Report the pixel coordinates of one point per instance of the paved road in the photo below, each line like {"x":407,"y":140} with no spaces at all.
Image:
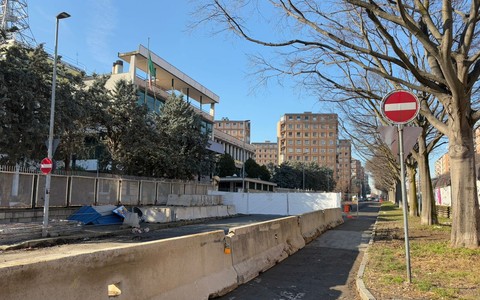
{"x":324,"y":269}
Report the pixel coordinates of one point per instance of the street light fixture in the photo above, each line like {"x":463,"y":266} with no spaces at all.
{"x":62,"y":15}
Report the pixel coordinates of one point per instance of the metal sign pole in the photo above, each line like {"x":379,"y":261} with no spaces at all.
{"x":404,"y":202}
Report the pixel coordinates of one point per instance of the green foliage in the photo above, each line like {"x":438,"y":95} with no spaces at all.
{"x":94,"y":121}
{"x":226,"y":166}
{"x":254,"y":170}
{"x":25,"y":90}
{"x":292,"y":175}
{"x":182,"y":148}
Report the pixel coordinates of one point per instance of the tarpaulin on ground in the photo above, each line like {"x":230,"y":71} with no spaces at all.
{"x":96,"y":215}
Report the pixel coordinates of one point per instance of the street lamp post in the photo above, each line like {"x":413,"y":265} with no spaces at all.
{"x":48,"y":179}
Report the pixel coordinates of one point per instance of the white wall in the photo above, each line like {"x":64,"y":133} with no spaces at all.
{"x":279,"y":203}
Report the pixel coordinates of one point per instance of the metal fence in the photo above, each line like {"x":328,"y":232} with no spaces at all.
{"x":27,"y":190}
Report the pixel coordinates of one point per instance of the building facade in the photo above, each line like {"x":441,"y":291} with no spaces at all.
{"x":234,"y":137}
{"x":344,"y":169}
{"x":442,"y":165}
{"x":238,"y":150}
{"x":308,"y":137}
{"x":238,"y":129}
{"x":266,"y":153}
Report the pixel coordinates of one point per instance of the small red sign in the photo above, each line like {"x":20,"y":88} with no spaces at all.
{"x":400,"y":107}
{"x":46,"y":165}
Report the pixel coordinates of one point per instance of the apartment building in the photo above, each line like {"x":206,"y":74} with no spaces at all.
{"x":238,"y":129}
{"x":359,"y":178}
{"x":442,"y":165}
{"x":266,"y":153}
{"x":309,"y":137}
{"x":345,"y":181}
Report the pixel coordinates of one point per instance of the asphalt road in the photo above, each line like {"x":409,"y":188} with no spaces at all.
{"x":324,"y":269}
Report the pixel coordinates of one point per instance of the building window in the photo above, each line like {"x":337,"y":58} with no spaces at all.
{"x":299,"y":142}
{"x":305,"y":126}
{"x":299,"y":126}
{"x":290,"y":117}
{"x":298,"y":157}
{"x":298,"y":150}
{"x":299,"y":117}
{"x":290,"y":150}
{"x":307,"y":142}
{"x":290,"y":126}
{"x":290,"y":142}
{"x":331,"y":143}
{"x":290,"y":134}
{"x":315,"y":150}
{"x":306,"y":134}
{"x":299,"y":134}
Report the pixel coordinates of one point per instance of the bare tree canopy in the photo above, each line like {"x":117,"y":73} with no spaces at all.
{"x":430,"y":47}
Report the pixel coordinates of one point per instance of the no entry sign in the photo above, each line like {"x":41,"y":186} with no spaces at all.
{"x":46,"y":165}
{"x":400,"y":107}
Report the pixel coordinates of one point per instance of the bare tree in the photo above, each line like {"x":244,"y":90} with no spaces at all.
{"x":372,"y":36}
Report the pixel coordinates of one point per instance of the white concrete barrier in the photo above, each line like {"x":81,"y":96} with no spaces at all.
{"x":190,"y":267}
{"x":258,"y":247}
{"x":286,"y":204}
{"x":194,"y":200}
{"x":156,"y":214}
{"x":202,"y":212}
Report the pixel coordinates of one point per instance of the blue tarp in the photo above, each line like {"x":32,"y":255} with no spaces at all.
{"x":88,"y":215}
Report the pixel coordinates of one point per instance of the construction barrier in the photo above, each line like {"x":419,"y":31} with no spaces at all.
{"x":258,"y":247}
{"x":199,"y":266}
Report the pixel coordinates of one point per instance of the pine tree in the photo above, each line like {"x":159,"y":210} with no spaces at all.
{"x":182,"y":151}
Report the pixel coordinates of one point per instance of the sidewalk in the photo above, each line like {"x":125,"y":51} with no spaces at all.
{"x":325,"y":269}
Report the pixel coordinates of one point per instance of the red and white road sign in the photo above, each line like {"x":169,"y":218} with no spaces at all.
{"x":400,"y":107}
{"x":46,"y":165}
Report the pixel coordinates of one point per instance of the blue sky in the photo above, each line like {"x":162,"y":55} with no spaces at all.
{"x":98,"y":30}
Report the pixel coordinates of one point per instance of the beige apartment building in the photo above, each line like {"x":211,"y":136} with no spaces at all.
{"x":309,"y":137}
{"x":238,"y":129}
{"x":344,"y":178}
{"x":266,"y":153}
{"x":442,"y":165}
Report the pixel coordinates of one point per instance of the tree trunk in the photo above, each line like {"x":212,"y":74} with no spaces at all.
{"x":466,"y":214}
{"x":428,"y":215}
{"x":412,"y":191}
{"x":391,"y":196}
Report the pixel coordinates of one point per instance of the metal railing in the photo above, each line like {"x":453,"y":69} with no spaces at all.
{"x":25,"y":188}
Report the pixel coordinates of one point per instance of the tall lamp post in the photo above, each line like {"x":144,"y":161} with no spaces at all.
{"x":48,"y":179}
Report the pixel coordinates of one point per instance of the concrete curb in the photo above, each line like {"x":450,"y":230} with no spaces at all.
{"x":361,"y":288}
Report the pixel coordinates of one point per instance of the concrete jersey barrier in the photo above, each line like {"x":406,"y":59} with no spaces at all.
{"x":258,"y":247}
{"x":199,"y":266}
{"x":175,"y":268}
